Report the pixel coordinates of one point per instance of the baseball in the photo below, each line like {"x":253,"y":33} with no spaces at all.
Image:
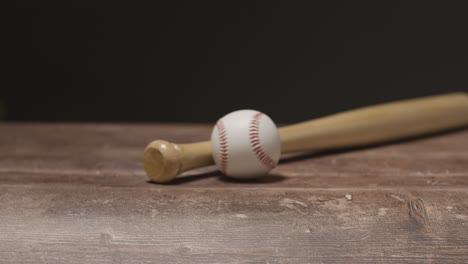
{"x":245,"y":144}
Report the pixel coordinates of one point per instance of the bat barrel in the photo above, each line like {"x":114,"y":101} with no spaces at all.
{"x":379,"y":123}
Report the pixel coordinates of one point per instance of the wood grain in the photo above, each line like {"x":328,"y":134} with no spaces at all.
{"x":77,"y":193}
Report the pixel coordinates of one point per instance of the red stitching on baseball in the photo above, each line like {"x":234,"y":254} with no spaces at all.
{"x":223,"y":145}
{"x":262,"y":156}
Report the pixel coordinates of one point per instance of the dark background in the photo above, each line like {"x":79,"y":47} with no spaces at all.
{"x":150,"y":61}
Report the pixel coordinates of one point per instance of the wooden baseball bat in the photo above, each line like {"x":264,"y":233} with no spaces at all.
{"x":163,"y":160}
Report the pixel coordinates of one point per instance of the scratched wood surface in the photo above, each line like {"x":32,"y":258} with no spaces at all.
{"x":77,"y":193}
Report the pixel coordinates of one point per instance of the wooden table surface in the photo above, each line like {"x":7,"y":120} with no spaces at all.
{"x":77,"y":193}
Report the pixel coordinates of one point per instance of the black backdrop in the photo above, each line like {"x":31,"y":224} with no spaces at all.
{"x":150,"y":61}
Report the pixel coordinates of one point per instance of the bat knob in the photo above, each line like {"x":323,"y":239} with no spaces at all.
{"x":162,"y":161}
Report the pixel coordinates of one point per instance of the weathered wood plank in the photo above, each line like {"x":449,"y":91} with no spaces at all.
{"x":127,"y":225}
{"x":73,"y":193}
{"x":111,"y":155}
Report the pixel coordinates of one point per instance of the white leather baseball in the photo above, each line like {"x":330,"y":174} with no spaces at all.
{"x":245,"y":144}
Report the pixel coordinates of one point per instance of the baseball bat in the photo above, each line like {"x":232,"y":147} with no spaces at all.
{"x":164,"y":160}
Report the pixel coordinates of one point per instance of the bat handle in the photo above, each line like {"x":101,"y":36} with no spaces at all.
{"x":164,"y":160}
{"x":379,"y":123}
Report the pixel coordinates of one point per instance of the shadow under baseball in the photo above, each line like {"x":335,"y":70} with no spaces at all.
{"x":269,"y":178}
{"x":204,"y":174}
